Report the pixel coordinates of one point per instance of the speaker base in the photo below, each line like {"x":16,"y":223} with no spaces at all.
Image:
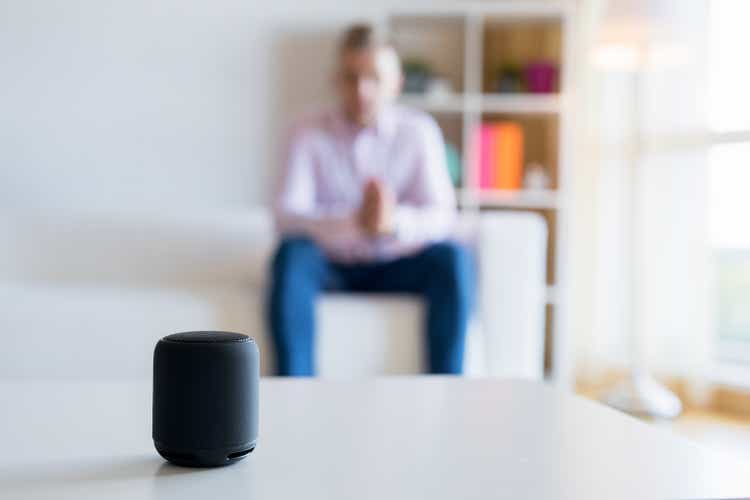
{"x":204,"y":458}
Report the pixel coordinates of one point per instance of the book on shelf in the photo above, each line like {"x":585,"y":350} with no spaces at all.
{"x":498,"y":153}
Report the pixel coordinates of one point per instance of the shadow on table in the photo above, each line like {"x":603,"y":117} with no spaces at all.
{"x":52,"y":474}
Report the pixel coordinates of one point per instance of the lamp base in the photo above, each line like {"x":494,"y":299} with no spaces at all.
{"x":641,"y":395}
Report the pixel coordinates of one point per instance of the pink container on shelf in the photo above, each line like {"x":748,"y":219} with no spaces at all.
{"x":541,"y":77}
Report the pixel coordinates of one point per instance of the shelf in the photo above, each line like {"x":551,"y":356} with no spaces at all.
{"x":533,"y":199}
{"x":453,"y":103}
{"x":529,"y":9}
{"x":485,"y":103}
{"x":520,"y":103}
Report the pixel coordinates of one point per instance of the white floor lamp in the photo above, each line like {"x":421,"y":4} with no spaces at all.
{"x":632,"y":38}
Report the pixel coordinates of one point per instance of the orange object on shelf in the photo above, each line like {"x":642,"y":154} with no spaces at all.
{"x":507,"y":156}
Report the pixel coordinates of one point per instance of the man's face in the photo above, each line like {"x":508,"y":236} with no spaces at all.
{"x":367,"y":80}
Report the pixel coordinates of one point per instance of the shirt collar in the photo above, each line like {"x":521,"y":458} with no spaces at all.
{"x":384,"y":125}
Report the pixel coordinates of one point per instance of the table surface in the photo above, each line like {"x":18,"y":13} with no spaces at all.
{"x":413,"y":437}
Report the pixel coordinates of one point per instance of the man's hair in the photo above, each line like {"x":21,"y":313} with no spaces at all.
{"x":362,"y":36}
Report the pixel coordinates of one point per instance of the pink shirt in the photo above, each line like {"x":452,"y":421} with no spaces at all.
{"x":326,"y":164}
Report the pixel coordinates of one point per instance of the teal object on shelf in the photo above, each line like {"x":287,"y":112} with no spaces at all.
{"x":453,"y":161}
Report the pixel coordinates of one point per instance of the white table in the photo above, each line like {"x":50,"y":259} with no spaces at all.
{"x":416,"y":438}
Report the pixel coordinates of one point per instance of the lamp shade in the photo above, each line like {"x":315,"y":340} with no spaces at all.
{"x":636,"y":35}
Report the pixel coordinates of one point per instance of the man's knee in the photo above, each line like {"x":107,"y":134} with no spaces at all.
{"x":451,"y":268}
{"x":295,"y":250}
{"x":450,"y":259}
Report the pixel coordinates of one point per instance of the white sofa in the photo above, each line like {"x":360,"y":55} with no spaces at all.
{"x":88,"y":295}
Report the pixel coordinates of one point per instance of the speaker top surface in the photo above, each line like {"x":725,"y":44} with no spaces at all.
{"x":207,"y":337}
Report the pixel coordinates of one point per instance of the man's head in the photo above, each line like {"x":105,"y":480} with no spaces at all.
{"x":369,"y":74}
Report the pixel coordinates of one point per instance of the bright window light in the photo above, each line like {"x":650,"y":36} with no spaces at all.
{"x":729,"y":198}
{"x":729,"y":72}
{"x":729,"y":172}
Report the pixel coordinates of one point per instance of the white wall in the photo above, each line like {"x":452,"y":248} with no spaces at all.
{"x":136,"y":103}
{"x":130,"y":131}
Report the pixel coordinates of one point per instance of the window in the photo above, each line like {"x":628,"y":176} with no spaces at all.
{"x":729,"y":174}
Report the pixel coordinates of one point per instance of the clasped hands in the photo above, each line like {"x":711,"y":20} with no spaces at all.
{"x":376,"y":213}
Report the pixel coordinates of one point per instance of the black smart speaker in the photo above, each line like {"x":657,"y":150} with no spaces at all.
{"x":205,"y":401}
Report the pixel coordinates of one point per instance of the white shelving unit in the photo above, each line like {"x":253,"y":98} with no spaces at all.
{"x":466,"y":103}
{"x":538,"y":199}
{"x":461,"y":40}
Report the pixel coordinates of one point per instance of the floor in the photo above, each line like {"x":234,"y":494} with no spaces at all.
{"x":722,"y":431}
{"x":716,"y":430}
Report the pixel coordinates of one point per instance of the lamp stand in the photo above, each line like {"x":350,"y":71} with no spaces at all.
{"x":640,"y":394}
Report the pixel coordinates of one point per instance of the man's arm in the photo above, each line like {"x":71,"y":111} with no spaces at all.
{"x":427,"y":209}
{"x":295,"y":210}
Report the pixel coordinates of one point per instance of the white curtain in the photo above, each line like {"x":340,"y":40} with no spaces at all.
{"x":673,"y":280}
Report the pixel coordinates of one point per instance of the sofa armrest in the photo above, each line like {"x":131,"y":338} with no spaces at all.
{"x":512,"y":254}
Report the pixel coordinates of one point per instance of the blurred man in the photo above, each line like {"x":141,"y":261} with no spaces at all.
{"x":364,"y":203}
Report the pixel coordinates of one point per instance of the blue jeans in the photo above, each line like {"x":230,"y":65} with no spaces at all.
{"x":442,"y":274}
